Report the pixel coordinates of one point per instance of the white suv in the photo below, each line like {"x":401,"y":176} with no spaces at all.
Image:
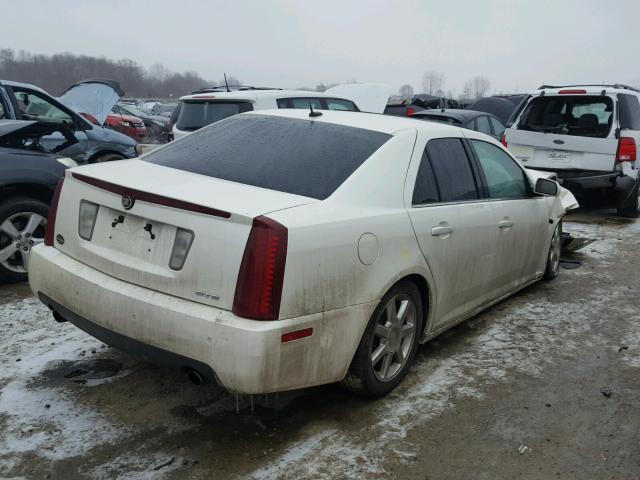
{"x":214,"y":104}
{"x":587,"y":134}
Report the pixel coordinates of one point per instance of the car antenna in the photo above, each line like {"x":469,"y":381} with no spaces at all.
{"x":312,"y":113}
{"x":225,"y":82}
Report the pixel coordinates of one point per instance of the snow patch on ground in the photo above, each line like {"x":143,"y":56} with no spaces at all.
{"x":65,"y":428}
{"x":525,"y":339}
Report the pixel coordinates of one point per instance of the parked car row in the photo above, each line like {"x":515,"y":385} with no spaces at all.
{"x":330,"y":240}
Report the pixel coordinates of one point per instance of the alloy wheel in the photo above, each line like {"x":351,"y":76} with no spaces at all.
{"x":18,"y":235}
{"x":393,"y":337}
{"x":555,"y":250}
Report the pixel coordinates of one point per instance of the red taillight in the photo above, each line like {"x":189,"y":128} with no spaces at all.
{"x":410,"y":111}
{"x":572,"y":92}
{"x":626,"y":150}
{"x":49,"y":232}
{"x":259,"y":286}
{"x":503,"y":141}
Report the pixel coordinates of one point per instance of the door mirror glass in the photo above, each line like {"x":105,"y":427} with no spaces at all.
{"x":544,"y":186}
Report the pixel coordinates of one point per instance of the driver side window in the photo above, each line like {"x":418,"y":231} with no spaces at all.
{"x":32,"y":106}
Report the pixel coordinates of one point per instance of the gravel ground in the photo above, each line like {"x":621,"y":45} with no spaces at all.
{"x":515,"y":392}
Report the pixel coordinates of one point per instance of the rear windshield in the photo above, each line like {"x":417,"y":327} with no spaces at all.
{"x":580,"y":115}
{"x":288,"y":155}
{"x":197,"y":114}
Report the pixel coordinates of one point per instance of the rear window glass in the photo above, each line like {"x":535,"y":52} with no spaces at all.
{"x":580,"y":115}
{"x":288,"y":155}
{"x":629,"y":111}
{"x":196,"y":114}
{"x":452,"y":170}
{"x":339,"y":104}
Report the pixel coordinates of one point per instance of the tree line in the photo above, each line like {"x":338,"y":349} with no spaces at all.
{"x":55,"y":73}
{"x":433,"y":84}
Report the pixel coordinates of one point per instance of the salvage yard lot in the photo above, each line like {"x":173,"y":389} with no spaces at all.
{"x":515,"y":392}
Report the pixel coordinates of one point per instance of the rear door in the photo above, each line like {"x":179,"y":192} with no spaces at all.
{"x":520,"y":218}
{"x":454,"y":227}
{"x":566,"y":132}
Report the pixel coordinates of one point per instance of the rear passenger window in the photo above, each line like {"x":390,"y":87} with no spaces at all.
{"x":505,"y":179}
{"x":482,"y":124}
{"x":452,"y":170}
{"x":304,"y":103}
{"x":425,"y":189}
{"x":629,"y":111}
{"x":339,"y":104}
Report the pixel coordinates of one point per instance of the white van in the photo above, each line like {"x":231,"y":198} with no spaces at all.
{"x":587,"y":134}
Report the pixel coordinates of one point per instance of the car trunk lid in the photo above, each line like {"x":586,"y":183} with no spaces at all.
{"x":141,"y":209}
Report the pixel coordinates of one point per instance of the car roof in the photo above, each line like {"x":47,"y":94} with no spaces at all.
{"x":11,"y":83}
{"x":253,"y":95}
{"x":456,"y":113}
{"x":590,"y":89}
{"x":389,"y":124}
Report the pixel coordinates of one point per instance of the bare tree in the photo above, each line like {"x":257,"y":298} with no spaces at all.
{"x":476,"y":87}
{"x":432,"y":82}
{"x":406,"y":91}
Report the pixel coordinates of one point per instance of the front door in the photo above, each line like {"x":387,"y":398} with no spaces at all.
{"x":520,"y":217}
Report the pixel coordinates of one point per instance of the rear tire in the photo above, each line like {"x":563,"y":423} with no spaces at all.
{"x":552,"y":269}
{"x":389,"y":343}
{"x":15,"y":214}
{"x":631,"y":206}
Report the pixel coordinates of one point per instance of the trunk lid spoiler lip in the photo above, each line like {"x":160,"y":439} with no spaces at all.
{"x":132,"y":195}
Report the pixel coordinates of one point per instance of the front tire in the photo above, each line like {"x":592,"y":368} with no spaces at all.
{"x":552,"y":269}
{"x":389,"y":344}
{"x":22,"y":225}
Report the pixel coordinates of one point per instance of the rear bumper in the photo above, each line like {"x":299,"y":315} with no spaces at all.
{"x":585,"y":181}
{"x":245,"y":356}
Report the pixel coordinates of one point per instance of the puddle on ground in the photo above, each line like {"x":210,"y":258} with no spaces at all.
{"x":90,"y":372}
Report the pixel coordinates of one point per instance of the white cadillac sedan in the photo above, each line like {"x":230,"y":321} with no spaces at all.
{"x":281,"y":250}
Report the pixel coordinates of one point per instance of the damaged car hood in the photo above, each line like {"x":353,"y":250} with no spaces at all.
{"x":95,"y":97}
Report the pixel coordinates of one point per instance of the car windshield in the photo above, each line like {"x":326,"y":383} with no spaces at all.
{"x":197,"y":114}
{"x":135,"y":111}
{"x":580,"y":115}
{"x":295,"y":156}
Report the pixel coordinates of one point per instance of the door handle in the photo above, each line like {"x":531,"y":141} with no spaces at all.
{"x":505,"y":224}
{"x":441,"y":231}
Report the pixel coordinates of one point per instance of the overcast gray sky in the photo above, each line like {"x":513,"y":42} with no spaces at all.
{"x":516,"y":44}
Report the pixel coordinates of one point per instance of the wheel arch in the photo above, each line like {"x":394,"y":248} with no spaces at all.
{"x":31,"y":190}
{"x":99,"y":154}
{"x":423,"y":279}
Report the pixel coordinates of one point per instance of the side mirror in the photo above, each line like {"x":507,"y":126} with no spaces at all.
{"x":544,"y":186}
